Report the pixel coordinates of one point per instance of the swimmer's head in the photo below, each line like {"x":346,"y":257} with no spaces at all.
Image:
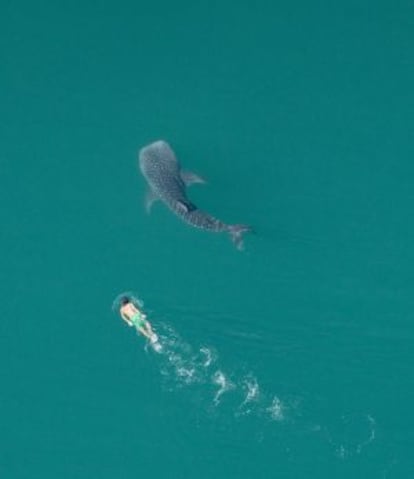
{"x":124,"y":300}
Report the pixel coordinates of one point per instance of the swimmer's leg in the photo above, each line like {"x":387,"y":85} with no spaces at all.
{"x":153,"y":336}
{"x":149,"y":327}
{"x":144,"y":332}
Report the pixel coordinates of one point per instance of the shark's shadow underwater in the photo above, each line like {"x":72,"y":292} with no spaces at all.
{"x":167,"y":182}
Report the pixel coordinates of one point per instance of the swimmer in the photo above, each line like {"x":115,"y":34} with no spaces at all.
{"x":133,"y":317}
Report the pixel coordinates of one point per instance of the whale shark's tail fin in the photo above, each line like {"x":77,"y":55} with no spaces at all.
{"x":236,"y":233}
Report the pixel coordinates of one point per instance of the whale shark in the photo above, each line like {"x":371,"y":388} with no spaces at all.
{"x":168,"y":182}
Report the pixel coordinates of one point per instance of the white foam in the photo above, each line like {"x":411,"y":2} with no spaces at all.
{"x":371,"y":437}
{"x":182,"y":365}
{"x":352,"y":426}
{"x":187,"y":374}
{"x":225,"y":384}
{"x":208,"y":356}
{"x":276,"y":409}
{"x":252,"y":390}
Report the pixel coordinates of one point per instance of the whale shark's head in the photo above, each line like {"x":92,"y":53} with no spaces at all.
{"x":156,"y":145}
{"x":155,"y":156}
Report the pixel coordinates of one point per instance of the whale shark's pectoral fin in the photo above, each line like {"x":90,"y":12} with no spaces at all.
{"x":190,"y":178}
{"x":150,"y":198}
{"x":185,"y":207}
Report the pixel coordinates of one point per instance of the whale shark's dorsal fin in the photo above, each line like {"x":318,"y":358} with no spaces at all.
{"x":190,"y":178}
{"x":186,"y":206}
{"x":150,"y":197}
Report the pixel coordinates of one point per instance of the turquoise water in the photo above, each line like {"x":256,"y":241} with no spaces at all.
{"x":291,"y":359}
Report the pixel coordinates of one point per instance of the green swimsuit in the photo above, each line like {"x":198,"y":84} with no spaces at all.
{"x":137,"y":320}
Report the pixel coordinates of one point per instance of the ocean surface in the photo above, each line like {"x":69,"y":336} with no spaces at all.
{"x":290,"y":359}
